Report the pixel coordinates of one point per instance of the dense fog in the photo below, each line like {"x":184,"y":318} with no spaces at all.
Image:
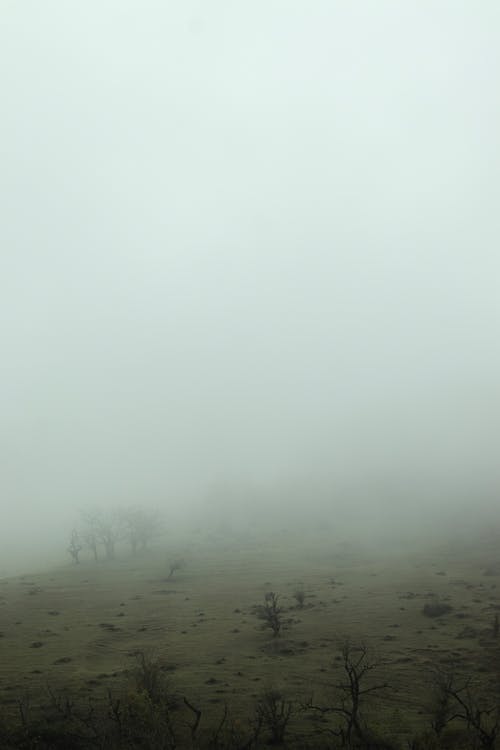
{"x":248,"y":264}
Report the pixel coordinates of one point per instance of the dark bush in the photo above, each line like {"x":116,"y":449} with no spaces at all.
{"x":300,"y":597}
{"x":271,"y":613}
{"x":436,"y":608}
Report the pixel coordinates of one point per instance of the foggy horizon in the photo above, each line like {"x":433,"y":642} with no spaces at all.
{"x":249,"y":253}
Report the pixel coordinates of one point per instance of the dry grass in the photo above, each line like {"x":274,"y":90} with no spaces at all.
{"x":89,"y":622}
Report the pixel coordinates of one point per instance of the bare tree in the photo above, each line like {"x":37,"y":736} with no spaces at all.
{"x":274,"y":712}
{"x":271,"y":613}
{"x":441,"y":701}
{"x":89,"y":532}
{"x":461,"y":702}
{"x":358,"y":665}
{"x":235,"y":734}
{"x":107,"y":535}
{"x":140,"y":526}
{"x":75,"y":547}
{"x":90,"y":540}
{"x":104,"y":528}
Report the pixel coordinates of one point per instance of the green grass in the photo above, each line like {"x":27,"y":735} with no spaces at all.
{"x":78,"y":627}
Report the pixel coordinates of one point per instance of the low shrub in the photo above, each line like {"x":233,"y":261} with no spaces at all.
{"x":436,"y":608}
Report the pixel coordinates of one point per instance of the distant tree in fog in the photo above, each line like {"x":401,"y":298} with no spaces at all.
{"x":75,"y":547}
{"x":89,"y":534}
{"x":108,"y":533}
{"x":102,"y":528}
{"x":90,"y":540}
{"x":176,"y":565}
{"x":140,"y":526}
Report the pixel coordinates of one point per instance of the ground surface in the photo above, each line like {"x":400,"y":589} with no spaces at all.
{"x":78,"y":627}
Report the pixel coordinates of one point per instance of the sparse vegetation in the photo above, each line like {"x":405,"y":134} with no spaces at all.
{"x":436,"y":608}
{"x":250,"y":375}
{"x":150,"y":678}
{"x":300,"y":597}
{"x":175,"y":565}
{"x":275,"y":712}
{"x":271,"y":613}
{"x":134,"y":696}
{"x":457,"y":701}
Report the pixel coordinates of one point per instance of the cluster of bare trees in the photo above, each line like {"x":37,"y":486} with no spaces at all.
{"x":456,"y":700}
{"x":453,"y":702}
{"x":101,"y":531}
{"x":152,"y":714}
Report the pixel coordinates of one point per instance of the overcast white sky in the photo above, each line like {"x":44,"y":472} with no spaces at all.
{"x":246,"y":241}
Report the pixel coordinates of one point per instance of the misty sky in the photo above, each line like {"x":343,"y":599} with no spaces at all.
{"x":246,"y":242}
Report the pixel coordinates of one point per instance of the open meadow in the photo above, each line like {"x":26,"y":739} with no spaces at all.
{"x":249,"y":389}
{"x":78,"y":633}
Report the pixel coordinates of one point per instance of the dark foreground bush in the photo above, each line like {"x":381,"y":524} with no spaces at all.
{"x":436,"y":608}
{"x":149,"y":715}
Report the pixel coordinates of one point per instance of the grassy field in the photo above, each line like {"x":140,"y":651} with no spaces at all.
{"x":78,"y":628}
